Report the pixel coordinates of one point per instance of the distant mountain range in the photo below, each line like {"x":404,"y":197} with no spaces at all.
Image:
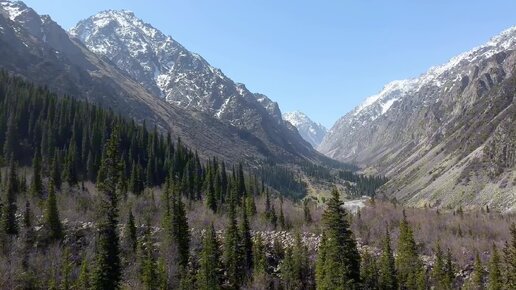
{"x":116,"y":60}
{"x":446,"y":138}
{"x":312,"y":132}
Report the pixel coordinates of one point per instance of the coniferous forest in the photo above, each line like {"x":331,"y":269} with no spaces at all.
{"x":91,"y":200}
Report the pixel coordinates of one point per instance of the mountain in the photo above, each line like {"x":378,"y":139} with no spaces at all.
{"x":445,"y":138}
{"x":171,"y":72}
{"x":247,"y":127}
{"x":312,"y":132}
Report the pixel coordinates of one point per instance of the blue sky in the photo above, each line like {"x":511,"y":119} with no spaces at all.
{"x":319,"y":57}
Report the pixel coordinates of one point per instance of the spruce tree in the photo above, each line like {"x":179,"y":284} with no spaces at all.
{"x":233,"y":261}
{"x":288,"y":272}
{"x":342,"y":260}
{"x":36,"y":186}
{"x":8,"y":219}
{"x":301,"y":263}
{"x":495,"y":278}
{"x":11,"y":139}
{"x":209,"y":276}
{"x":259,"y":255}
{"x":131,"y":232}
{"x":306,"y":212}
{"x":387,"y":278}
{"x":83,"y":281}
{"x":148,"y":264}
{"x":510,"y":259}
{"x":55,"y":174}
{"x":440,"y":276}
{"x":108,"y":270}
{"x":246,"y":242}
{"x":52,"y":221}
{"x":369,"y":272}
{"x":181,"y":230}
{"x":477,"y":277}
{"x":408,"y":264}
{"x":66,"y":270}
{"x":320,"y":269}
{"x":449,"y":269}
{"x":211,"y":201}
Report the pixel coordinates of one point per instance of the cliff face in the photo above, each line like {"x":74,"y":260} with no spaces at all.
{"x":446,"y":138}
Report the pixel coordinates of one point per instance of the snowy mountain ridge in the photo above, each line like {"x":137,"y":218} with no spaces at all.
{"x":166,"y":68}
{"x":312,"y":132}
{"x":377,"y":105}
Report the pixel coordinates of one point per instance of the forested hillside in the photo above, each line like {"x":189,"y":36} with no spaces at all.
{"x":91,"y":200}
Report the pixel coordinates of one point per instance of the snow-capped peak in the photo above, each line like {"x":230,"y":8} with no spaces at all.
{"x":312,"y":132}
{"x":435,"y":76}
{"x":13,"y":8}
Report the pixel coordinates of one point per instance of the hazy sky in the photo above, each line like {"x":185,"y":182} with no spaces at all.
{"x":319,"y":57}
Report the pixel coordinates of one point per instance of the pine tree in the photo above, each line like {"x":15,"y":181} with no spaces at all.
{"x":408,"y":265}
{"x":131,"y":232}
{"x":439,"y":272}
{"x":11,"y":139}
{"x":66,"y":270}
{"x":211,"y":201}
{"x":83,"y":282}
{"x":449,"y":269}
{"x":477,"y":277}
{"x":306,"y":212}
{"x":510,"y":260}
{"x":301,"y":263}
{"x":108,"y":271}
{"x":387,"y":279}
{"x":70,"y":169}
{"x":181,"y":230}
{"x":288,"y":272}
{"x":55,"y":174}
{"x":233,"y":257}
{"x":52,"y":221}
{"x":246,"y":242}
{"x":495,"y":278}
{"x":282,"y":217}
{"x":369,"y":272}
{"x":260,"y":258}
{"x":36,"y":186}
{"x":320,"y":269}
{"x":209,"y":276}
{"x":148,"y":264}
{"x":8,"y":219}
{"x":342,"y":260}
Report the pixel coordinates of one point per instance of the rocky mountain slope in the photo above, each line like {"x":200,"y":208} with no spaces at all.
{"x":312,"y":132}
{"x":185,"y":79}
{"x":38,"y":49}
{"x":446,"y":138}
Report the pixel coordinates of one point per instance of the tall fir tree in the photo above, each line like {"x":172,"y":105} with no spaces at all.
{"x":210,"y":272}
{"x":36,"y":186}
{"x":246,"y":242}
{"x":132,"y":239}
{"x":477,"y":277}
{"x":369,"y":271}
{"x":408,"y":264}
{"x":342,"y":260}
{"x":52,"y":221}
{"x":495,"y":277}
{"x":233,"y":256}
{"x":55,"y":173}
{"x":148,"y":263}
{"x":8,"y":222}
{"x":11,"y":139}
{"x":509,"y":268}
{"x":387,"y":278}
{"x":108,"y":270}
